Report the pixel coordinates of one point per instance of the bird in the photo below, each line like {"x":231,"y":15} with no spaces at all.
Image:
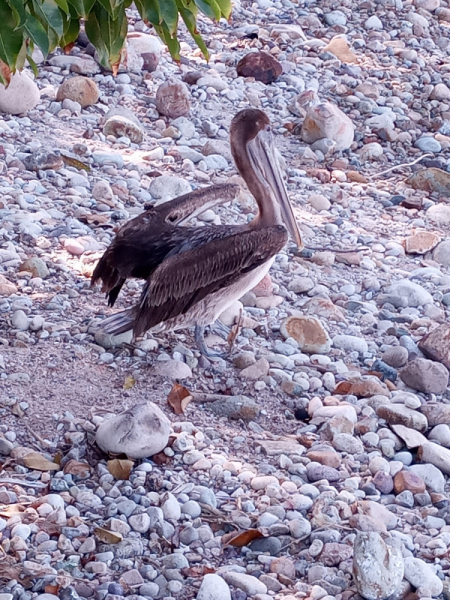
{"x":193,"y":274}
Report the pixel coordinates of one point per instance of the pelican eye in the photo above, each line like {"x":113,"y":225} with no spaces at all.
{"x":172,"y":218}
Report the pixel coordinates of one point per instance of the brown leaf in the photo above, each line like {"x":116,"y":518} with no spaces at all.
{"x":11,"y":509}
{"x":129,"y":383}
{"x":161,"y":459}
{"x":68,"y":47}
{"x":35,"y":460}
{"x":178,"y":398}
{"x":96,"y":219}
{"x":74,"y":162}
{"x":106,"y":536}
{"x":51,"y":589}
{"x":241,"y":538}
{"x":16,"y":410}
{"x":5,"y":72}
{"x":197,"y":571}
{"x":77,"y":469}
{"x":115,"y":68}
{"x":120,"y":468}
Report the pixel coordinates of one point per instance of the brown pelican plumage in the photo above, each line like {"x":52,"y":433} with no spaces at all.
{"x":193,"y":274}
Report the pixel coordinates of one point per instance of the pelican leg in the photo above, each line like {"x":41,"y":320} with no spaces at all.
{"x":220,"y":329}
{"x":200,"y":340}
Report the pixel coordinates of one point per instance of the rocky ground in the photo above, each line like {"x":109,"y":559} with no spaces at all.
{"x":313,"y":462}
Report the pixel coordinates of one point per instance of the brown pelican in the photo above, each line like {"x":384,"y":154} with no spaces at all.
{"x":193,"y":274}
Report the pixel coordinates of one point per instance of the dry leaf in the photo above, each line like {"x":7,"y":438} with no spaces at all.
{"x":197,"y":571}
{"x":51,"y":589}
{"x":120,"y":468}
{"x":129,"y":383}
{"x":178,"y":398}
{"x":339,"y":47}
{"x":16,"y":410}
{"x":74,"y":162}
{"x":106,"y":536}
{"x":241,"y":538}
{"x":11,"y":509}
{"x":35,"y":460}
{"x":77,"y":469}
{"x":5,"y":72}
{"x":161,"y":459}
{"x":68,"y":47}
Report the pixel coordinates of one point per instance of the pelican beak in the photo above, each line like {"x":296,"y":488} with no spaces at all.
{"x":266,"y":164}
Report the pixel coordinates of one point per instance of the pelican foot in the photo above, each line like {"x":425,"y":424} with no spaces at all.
{"x":220,"y":329}
{"x":200,"y":339}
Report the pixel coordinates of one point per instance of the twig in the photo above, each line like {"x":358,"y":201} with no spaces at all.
{"x":23,"y":482}
{"x":41,"y":440}
{"x":414,"y":162}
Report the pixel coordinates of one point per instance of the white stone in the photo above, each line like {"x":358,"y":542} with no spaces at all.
{"x":247,"y":583}
{"x":214,"y":588}
{"x":319,"y":202}
{"x":414,"y":293}
{"x":172,"y":369}
{"x":373,"y":22}
{"x":422,"y":576}
{"x":325,"y":120}
{"x":167,"y":187}
{"x":350,"y":343}
{"x":171,"y":507}
{"x":139,"y":432}
{"x":20,"y":96}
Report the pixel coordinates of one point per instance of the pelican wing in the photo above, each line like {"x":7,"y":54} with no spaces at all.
{"x":186,"y":278}
{"x":142,"y":243}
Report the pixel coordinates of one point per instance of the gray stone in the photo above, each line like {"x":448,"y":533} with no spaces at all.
{"x":427,"y":143}
{"x":432,"y":476}
{"x":436,"y":455}
{"x":441,"y":253}
{"x":119,"y":126}
{"x":425,"y":376}
{"x":414,"y":294}
{"x":396,"y":357}
{"x":377,"y":567}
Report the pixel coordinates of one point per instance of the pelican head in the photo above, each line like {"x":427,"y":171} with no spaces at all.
{"x":254,"y":154}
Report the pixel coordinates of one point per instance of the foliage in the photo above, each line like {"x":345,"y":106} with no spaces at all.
{"x":47,"y":24}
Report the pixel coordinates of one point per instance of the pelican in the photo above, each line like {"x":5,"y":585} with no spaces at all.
{"x":193,"y":274}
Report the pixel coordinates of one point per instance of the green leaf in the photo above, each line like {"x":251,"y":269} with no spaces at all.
{"x":18,"y":9}
{"x":71,"y":31}
{"x":225,"y":7}
{"x":210,"y":8}
{"x":32,"y":64}
{"x":50,"y":15}
{"x":190,"y":22}
{"x":172,"y":42}
{"x":38,"y":34}
{"x":20,"y":62}
{"x":169,"y":14}
{"x":11,"y":40}
{"x":82,"y":7}
{"x":63,"y":5}
{"x":112,"y":7}
{"x":149,"y":11}
{"x":108,"y":35}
